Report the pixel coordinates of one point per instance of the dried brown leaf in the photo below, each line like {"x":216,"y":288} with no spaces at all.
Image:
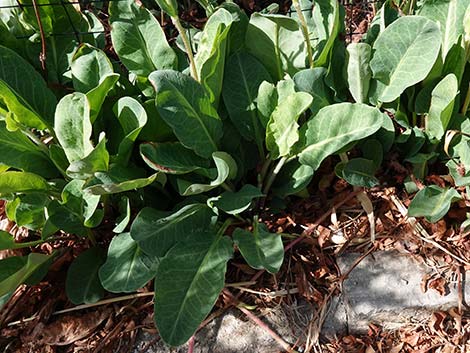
{"x":67,"y":329}
{"x":439,"y":285}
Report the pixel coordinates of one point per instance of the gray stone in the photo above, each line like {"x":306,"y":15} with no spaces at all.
{"x":384,"y":288}
{"x":234,"y":333}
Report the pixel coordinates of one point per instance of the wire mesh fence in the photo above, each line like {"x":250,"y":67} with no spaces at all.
{"x":358,"y":15}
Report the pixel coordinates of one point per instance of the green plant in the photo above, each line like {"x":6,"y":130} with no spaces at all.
{"x":269,"y":98}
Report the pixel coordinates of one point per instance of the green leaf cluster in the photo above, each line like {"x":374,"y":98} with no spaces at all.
{"x":185,"y":137}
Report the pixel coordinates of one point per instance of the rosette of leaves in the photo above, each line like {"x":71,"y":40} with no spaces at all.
{"x":188,"y":154}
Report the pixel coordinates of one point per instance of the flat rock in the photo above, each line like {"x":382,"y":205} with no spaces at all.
{"x":384,"y":288}
{"x":234,"y":333}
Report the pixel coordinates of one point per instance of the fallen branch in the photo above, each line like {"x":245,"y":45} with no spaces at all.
{"x":87,"y":306}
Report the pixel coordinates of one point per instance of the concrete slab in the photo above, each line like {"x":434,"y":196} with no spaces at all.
{"x":234,"y":333}
{"x":385,"y":288}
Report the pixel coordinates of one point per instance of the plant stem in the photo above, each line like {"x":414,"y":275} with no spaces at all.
{"x":38,"y":242}
{"x":91,"y":237}
{"x":227,"y":187}
{"x":42,"y":55}
{"x":224,"y":227}
{"x":264,"y":170}
{"x":466,"y":103}
{"x":304,"y":28}
{"x":191,"y":344}
{"x":176,"y":21}
{"x":36,"y":140}
{"x":274,"y":174}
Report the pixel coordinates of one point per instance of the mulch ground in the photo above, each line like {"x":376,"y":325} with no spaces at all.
{"x":318,"y":229}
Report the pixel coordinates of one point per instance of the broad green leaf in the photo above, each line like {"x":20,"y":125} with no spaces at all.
{"x":119,"y":179}
{"x":404,"y":54}
{"x":59,"y":53}
{"x":84,"y":205}
{"x":260,"y":248}
{"x":461,"y":148}
{"x":432,"y":202}
{"x":18,"y":151}
{"x":442,"y":106}
{"x":58,"y":157}
{"x":96,"y":161}
{"x":7,"y":241}
{"x":293,"y":178}
{"x":455,"y":171}
{"x":373,"y":150}
{"x":183,"y":104}
{"x":89,"y":66}
{"x":226,"y":169}
{"x":9,"y":268}
{"x":277,"y":42}
{"x":156,"y":129}
{"x":312,"y":82}
{"x":169,"y":6}
{"x":188,"y":282}
{"x":236,"y":202}
{"x":52,"y":17}
{"x":95,"y":25}
{"x":282,"y":131}
{"x":455,"y":62}
{"x":16,"y":270}
{"x":132,"y":117}
{"x":21,"y":182}
{"x":466,"y":25}
{"x":123,"y":220}
{"x":358,"y":73}
{"x":98,"y":94}
{"x":82,"y":284}
{"x":420,"y":163}
{"x":335,"y":127}
{"x":30,"y":211}
{"x":236,"y":36}
{"x":212,"y":48}
{"x":423,"y":97}
{"x":382,"y":19}
{"x":266,"y":101}
{"x":335,"y":78}
{"x":10,"y":207}
{"x":172,"y":158}
{"x":326,"y":27}
{"x":415,"y":139}
{"x":156,"y":231}
{"x":126,"y":268}
{"x":450,"y":16}
{"x":285,"y":88}
{"x":61,"y":217}
{"x":243,"y":76}
{"x":24,"y":92}
{"x":73,"y":126}
{"x":138,"y":39}
{"x":360,"y":172}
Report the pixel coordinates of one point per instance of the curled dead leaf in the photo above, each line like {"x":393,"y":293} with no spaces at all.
{"x":67,"y":329}
{"x":439,"y":285}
